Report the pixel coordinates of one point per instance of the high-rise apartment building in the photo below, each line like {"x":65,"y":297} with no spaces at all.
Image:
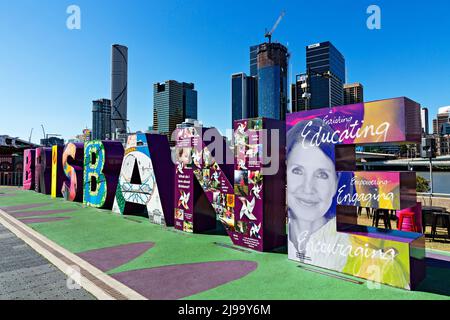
{"x":443,"y":117}
{"x":353,"y":93}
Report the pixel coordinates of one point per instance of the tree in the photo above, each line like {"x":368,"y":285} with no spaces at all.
{"x":423,"y":185}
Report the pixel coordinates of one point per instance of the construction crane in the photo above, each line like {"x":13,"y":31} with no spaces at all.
{"x":43,"y":130}
{"x":269,"y":34}
{"x":46,"y":136}
{"x":31,"y":133}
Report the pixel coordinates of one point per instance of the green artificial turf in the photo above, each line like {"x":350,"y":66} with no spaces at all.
{"x":275,"y":278}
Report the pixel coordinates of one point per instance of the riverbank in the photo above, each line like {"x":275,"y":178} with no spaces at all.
{"x":441,"y":180}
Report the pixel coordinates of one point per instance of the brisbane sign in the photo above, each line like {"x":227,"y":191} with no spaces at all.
{"x":290,"y":183}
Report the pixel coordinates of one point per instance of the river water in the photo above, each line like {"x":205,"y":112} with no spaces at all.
{"x":441,"y":181}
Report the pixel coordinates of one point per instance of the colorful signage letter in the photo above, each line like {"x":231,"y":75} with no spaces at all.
{"x":252,"y":209}
{"x":43,"y":170}
{"x":145,"y":184}
{"x":29,"y":167}
{"x":57,"y":171}
{"x":102,"y":162}
{"x":72,"y":163}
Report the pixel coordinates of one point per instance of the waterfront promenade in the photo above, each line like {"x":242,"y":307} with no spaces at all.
{"x":26,"y":275}
{"x":130,"y":258}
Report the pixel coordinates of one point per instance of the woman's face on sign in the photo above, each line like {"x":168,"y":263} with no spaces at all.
{"x":312,"y":182}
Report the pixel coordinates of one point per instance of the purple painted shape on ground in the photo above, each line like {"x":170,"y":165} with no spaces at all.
{"x":25,"y":214}
{"x":183,"y":280}
{"x":42,"y":220}
{"x":24,"y":207}
{"x":109,"y":258}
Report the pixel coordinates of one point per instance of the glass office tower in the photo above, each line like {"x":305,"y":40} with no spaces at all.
{"x":173,"y":102}
{"x":320,"y":58}
{"x":243,"y":97}
{"x":189,"y":101}
{"x":101,"y":119}
{"x":254,"y":61}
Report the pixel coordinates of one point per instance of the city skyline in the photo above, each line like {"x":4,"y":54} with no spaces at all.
{"x":52,"y":74}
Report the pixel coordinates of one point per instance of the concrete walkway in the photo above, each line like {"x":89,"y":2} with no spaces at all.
{"x":26,"y":275}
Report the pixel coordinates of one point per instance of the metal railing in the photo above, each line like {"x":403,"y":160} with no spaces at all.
{"x":434,"y":194}
{"x":9,"y":178}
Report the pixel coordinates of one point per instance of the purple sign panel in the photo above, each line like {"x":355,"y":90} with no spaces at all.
{"x":239,"y":200}
{"x":43,"y":170}
{"x":248,"y":183}
{"x":28,"y":169}
{"x":322,"y":196}
{"x":184,"y":182}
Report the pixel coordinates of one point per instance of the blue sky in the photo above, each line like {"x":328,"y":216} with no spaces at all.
{"x":50,"y":74}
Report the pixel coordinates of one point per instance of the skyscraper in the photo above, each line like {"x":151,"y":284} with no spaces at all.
{"x":272,"y":59}
{"x":254,"y":61}
{"x":424,"y":120}
{"x":325,"y":92}
{"x":298,"y":89}
{"x":119,"y":82}
{"x":443,"y":117}
{"x":173,"y":102}
{"x":244,"y":97}
{"x":353,"y":93}
{"x":189,"y":101}
{"x":101,"y":119}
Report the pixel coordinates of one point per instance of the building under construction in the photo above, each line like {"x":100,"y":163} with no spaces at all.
{"x":272,"y":68}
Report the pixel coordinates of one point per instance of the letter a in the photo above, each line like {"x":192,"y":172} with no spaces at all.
{"x":74,"y":20}
{"x":374,"y":20}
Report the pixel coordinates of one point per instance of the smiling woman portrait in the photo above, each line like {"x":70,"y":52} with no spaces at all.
{"x":312,"y":184}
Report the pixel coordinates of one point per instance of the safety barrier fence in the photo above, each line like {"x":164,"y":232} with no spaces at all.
{"x":10,"y":178}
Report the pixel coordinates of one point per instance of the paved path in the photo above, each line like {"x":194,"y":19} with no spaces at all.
{"x":26,"y":275}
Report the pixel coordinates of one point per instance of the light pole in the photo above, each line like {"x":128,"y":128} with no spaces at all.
{"x":429,"y":149}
